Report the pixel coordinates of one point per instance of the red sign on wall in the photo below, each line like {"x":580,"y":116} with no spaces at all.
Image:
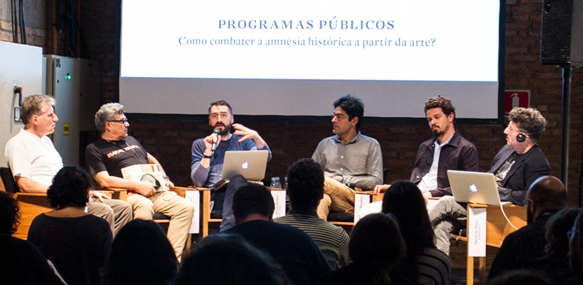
{"x":516,"y":98}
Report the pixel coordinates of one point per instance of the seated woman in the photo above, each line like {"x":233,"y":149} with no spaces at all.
{"x":20,"y":260}
{"x":375,"y":247}
{"x":75,"y":241}
{"x":141,"y":254}
{"x":424,"y":263}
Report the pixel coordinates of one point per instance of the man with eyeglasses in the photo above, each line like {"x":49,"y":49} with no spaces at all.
{"x":576,"y":250}
{"x":115,"y":150}
{"x":208,"y":155}
{"x":34,"y":161}
{"x":546,"y":196}
{"x":350,"y":160}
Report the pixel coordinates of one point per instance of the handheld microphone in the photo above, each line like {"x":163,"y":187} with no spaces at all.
{"x":216,"y":131}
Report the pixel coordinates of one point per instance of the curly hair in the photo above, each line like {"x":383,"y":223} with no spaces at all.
{"x":305,"y":184}
{"x":9,"y":214}
{"x":528,"y":119}
{"x":70,"y":188}
{"x":440,"y":102}
{"x":33,"y":104}
{"x":105,"y":114}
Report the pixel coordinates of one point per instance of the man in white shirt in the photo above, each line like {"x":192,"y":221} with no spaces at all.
{"x":34,"y":161}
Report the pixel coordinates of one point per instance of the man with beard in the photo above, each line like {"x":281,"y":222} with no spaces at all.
{"x":207,"y":161}
{"x":545,"y":197}
{"x":448,"y":150}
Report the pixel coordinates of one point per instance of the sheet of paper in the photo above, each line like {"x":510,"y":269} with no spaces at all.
{"x":476,"y":232}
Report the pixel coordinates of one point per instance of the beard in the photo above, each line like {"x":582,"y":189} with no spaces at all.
{"x":226,"y":129}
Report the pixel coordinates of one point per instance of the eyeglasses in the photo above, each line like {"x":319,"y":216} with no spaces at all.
{"x":338,"y":117}
{"x":122,"y":121}
{"x":572,"y":233}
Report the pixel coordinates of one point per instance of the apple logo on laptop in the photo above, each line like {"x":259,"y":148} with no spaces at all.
{"x":473,"y":188}
{"x":245,"y":165}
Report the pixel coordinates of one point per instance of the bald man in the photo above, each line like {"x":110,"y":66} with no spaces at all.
{"x":545,"y":197}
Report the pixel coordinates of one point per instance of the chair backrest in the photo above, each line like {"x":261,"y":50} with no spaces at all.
{"x":8,"y":180}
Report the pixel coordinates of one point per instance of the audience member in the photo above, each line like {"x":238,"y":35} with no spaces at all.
{"x":20,"y":261}
{"x":115,"y":150}
{"x":75,"y":241}
{"x":141,"y":254}
{"x":576,"y":251}
{"x":545,"y":197}
{"x":514,"y":277}
{"x":555,"y":264}
{"x":423,"y":263}
{"x":208,"y":155}
{"x":305,"y":188}
{"x":34,"y":161}
{"x":225,"y":259}
{"x":292,"y":248}
{"x":350,"y":159}
{"x":376,"y":246}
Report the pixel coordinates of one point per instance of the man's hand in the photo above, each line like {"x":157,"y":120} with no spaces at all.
{"x":381,"y":188}
{"x":209,"y":140}
{"x":168,"y":182}
{"x":244,"y":132}
{"x":96,"y":194}
{"x":145,"y":189}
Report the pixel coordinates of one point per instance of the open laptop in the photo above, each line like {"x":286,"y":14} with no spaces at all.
{"x":474,"y":187}
{"x":251,"y":164}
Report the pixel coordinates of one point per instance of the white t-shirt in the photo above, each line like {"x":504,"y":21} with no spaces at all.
{"x":33,"y":157}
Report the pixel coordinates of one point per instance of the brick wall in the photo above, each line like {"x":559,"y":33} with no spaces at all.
{"x":168,"y":137}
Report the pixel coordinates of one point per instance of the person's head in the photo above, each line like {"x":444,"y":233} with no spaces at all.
{"x":376,"y":241}
{"x":111,"y":121}
{"x":221,"y":116}
{"x":141,"y":254}
{"x":405,"y":201}
{"x":70,"y":188}
{"x":305,"y":185}
{"x":440,"y":114}
{"x":556,"y":232}
{"x":546,"y":194}
{"x":348,"y":115}
{"x":225,"y":259}
{"x":251,"y":202}
{"x":519,"y":276}
{"x":37,"y":112}
{"x":575,"y":235}
{"x":9,"y":214}
{"x":525,"y":127}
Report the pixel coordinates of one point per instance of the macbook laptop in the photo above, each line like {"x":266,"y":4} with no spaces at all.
{"x":251,"y":164}
{"x":474,"y":187}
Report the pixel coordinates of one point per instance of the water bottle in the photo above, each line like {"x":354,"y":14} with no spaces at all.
{"x":275,"y":182}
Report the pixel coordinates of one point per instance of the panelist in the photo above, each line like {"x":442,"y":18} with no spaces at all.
{"x":115,"y":150}
{"x":34,"y":161}
{"x":350,"y":160}
{"x":208,"y":155}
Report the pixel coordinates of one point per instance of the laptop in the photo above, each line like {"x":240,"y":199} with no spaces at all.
{"x":251,"y":164}
{"x":474,"y":187}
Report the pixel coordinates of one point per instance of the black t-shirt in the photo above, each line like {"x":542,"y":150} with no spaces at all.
{"x":112,"y":156}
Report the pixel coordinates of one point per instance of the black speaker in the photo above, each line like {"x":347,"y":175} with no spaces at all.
{"x":562,"y":32}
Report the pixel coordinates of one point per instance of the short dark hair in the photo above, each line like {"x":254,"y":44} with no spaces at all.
{"x":376,"y":242}
{"x":556,"y":232}
{"x":221,"y":103}
{"x":227,"y":258}
{"x":9,"y":214}
{"x":548,"y":193}
{"x":70,"y":188}
{"x":530,"y":120}
{"x":253,"y":199}
{"x":440,"y":102}
{"x":33,"y":104}
{"x":141,"y":254}
{"x":305,"y":184}
{"x":352,"y":106}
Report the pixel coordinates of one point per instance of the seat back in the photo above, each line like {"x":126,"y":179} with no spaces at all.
{"x":10,"y":185}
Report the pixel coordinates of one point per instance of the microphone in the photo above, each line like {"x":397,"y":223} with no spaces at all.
{"x":216,"y":131}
